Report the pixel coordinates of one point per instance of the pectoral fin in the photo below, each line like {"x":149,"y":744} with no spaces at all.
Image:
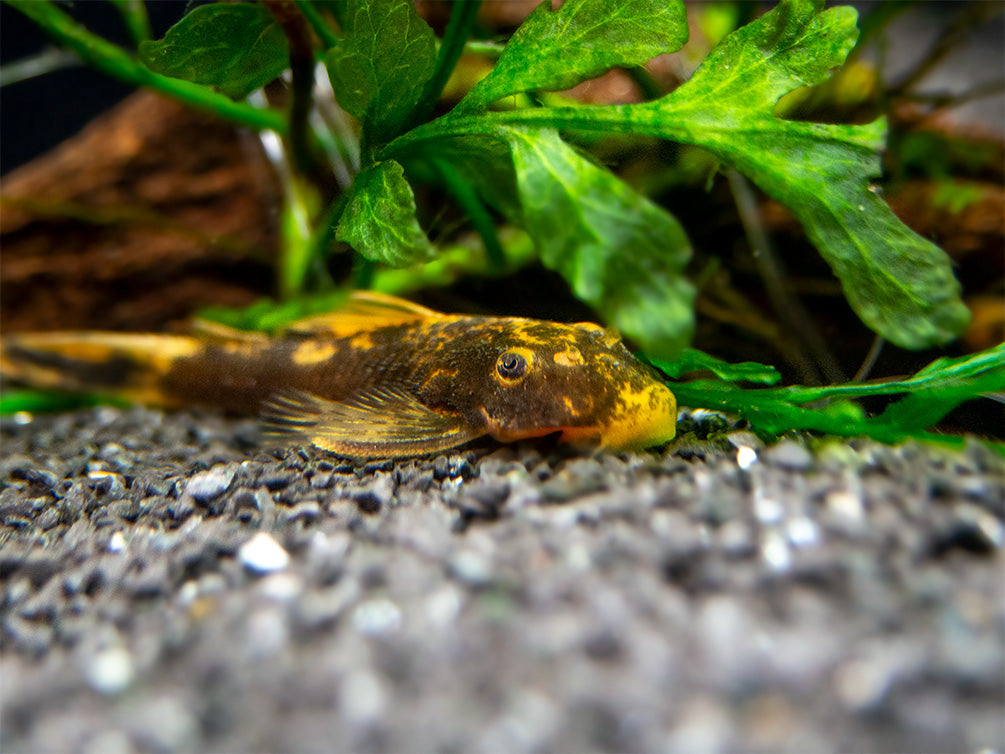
{"x":364,"y":311}
{"x":378,"y":424}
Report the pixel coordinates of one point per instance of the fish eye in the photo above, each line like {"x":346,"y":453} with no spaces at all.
{"x":511,"y":365}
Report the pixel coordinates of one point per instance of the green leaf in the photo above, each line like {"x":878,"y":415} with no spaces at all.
{"x":234,"y":47}
{"x":46,"y":401}
{"x":379,"y":70}
{"x":931,"y":393}
{"x":379,"y":218}
{"x":554,"y":50}
{"x":619,"y":252}
{"x":267,"y":315}
{"x":692,"y":360}
{"x":945,"y":383}
{"x":900,"y":284}
{"x":483,"y":161}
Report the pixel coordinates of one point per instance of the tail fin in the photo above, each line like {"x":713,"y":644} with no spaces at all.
{"x":125,"y":364}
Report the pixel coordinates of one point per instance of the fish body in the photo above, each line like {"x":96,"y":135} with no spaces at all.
{"x":380,"y":378}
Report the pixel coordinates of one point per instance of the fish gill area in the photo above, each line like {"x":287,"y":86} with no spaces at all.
{"x":170,"y":583}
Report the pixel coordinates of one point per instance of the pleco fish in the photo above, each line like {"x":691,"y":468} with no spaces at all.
{"x":379,"y":378}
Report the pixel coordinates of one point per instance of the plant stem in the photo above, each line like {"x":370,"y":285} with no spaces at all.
{"x":813,"y":355}
{"x":479,"y":215}
{"x":462,"y":18}
{"x":116,"y":62}
{"x":295,"y":28}
{"x":325,"y":33}
{"x":606,"y":118}
{"x":134,"y":14}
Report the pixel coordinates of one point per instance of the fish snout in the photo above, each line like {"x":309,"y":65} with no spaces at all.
{"x":641,"y":419}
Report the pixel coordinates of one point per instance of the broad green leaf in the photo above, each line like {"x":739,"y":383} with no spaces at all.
{"x":693,"y":360}
{"x":379,"y":218}
{"x":618,"y":251}
{"x":234,"y":47}
{"x":554,"y":50}
{"x":900,"y":284}
{"x":379,"y":70}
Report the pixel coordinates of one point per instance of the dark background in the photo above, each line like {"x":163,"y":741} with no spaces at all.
{"x":38,"y":113}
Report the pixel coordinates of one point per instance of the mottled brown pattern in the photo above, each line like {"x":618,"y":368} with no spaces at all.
{"x":400,"y":372}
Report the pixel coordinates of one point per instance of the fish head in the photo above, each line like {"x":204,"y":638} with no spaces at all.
{"x":538,"y":378}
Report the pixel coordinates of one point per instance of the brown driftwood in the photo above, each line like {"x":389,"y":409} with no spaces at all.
{"x":152,"y":211}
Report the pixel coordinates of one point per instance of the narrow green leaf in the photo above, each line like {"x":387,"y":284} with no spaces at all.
{"x":931,"y":393}
{"x":234,"y":47}
{"x":944,"y":384}
{"x":692,"y":360}
{"x":900,"y":284}
{"x":379,"y":218}
{"x":46,"y":401}
{"x":379,"y":70}
{"x":619,"y":252}
{"x":554,"y":50}
{"x":268,"y":315}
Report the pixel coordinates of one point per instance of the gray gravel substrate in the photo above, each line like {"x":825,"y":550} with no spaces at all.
{"x":171,"y":585}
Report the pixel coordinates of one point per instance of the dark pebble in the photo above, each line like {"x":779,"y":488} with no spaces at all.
{"x":577,"y":478}
{"x":375,"y":466}
{"x":43,"y":478}
{"x":181,"y":509}
{"x":322,"y":480}
{"x":13,"y":505}
{"x":277,"y":479}
{"x":108,"y":484}
{"x":28,"y":636}
{"x":49,"y":519}
{"x":306,"y":511}
{"x":441,"y":468}
{"x":39,"y":565}
{"x":150,"y":580}
{"x":124,"y":509}
{"x":45,"y":603}
{"x":379,"y":493}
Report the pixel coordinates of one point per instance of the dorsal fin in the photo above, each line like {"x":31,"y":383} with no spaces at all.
{"x":362,"y":312}
{"x":209,"y":331}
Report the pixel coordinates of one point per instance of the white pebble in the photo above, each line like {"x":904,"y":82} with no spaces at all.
{"x":110,"y":670}
{"x":362,"y":697}
{"x":860,"y":684}
{"x":378,"y":617}
{"x":802,"y":532}
{"x":206,"y":485}
{"x":117,"y":543}
{"x":263,"y":554}
{"x":767,"y":509}
{"x":775,"y":551}
{"x":746,"y":457}
{"x":443,"y":606}
{"x":846,"y":504}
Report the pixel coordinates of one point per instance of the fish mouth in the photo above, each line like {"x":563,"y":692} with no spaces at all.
{"x":643,"y":419}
